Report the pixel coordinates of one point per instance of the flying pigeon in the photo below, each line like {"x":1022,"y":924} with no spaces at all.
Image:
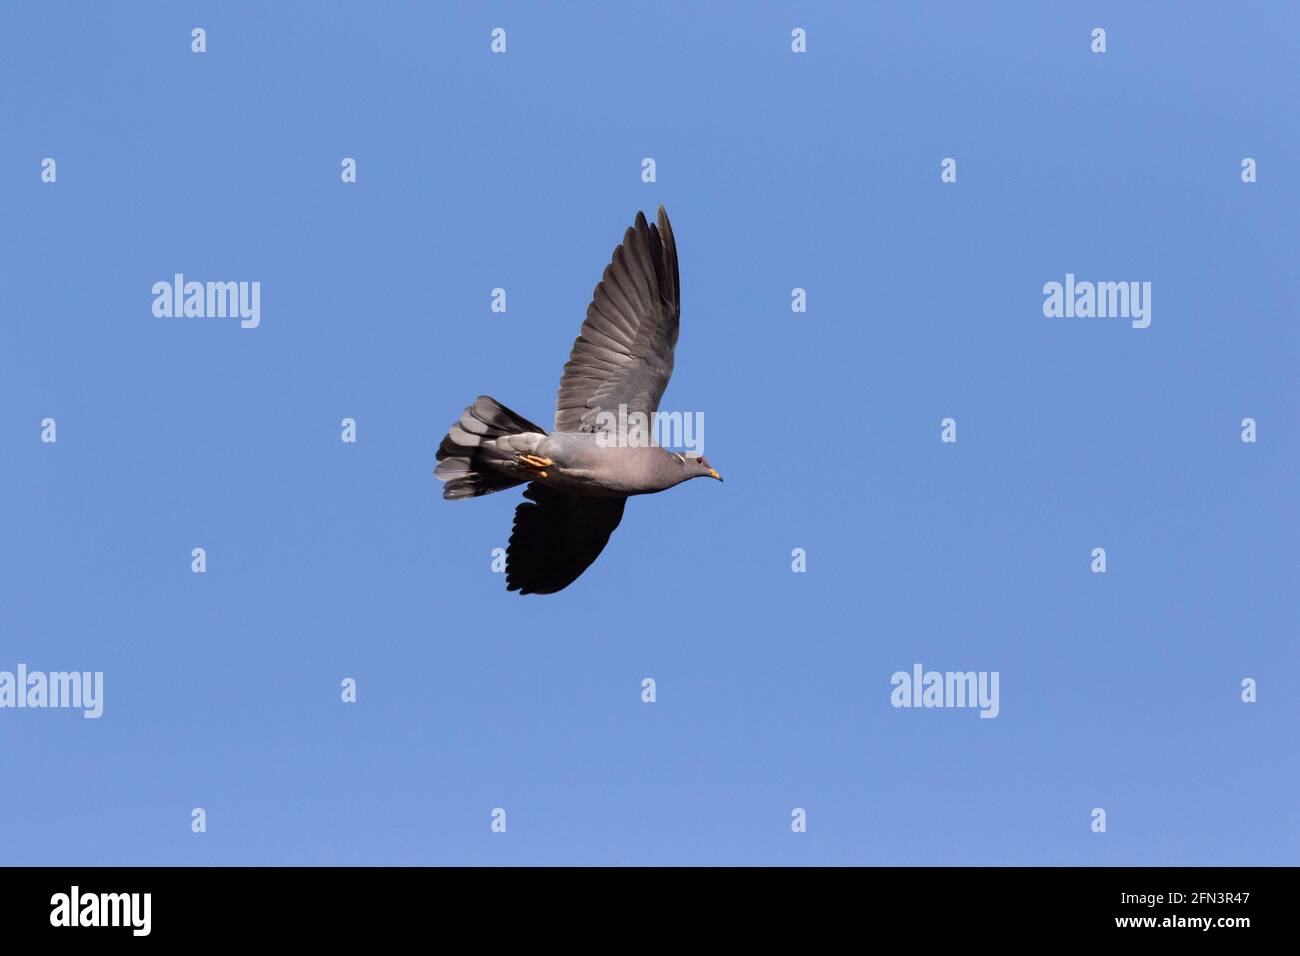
{"x":581,"y":474}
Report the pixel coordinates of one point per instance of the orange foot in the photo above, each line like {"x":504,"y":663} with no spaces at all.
{"x":535,"y":464}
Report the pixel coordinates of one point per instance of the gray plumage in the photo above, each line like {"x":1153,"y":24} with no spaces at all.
{"x":582,"y":473}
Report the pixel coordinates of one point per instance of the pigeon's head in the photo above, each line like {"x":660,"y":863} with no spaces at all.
{"x":698,"y":467}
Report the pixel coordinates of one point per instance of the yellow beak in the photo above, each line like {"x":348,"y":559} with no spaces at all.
{"x":715,"y":474}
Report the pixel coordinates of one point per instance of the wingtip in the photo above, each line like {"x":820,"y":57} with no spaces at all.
{"x":665,"y":227}
{"x":642,"y":224}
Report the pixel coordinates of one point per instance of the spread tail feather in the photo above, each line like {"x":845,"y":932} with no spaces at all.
{"x":468,"y":456}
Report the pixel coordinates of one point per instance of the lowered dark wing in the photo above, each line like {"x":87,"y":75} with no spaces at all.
{"x":557,"y":537}
{"x":624,"y":353}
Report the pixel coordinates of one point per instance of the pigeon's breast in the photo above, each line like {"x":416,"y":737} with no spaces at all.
{"x":602,"y":465}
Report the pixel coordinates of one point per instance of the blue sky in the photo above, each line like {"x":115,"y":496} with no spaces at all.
{"x":821,"y":171}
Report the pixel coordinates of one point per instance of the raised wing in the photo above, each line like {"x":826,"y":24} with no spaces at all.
{"x":624,"y":353}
